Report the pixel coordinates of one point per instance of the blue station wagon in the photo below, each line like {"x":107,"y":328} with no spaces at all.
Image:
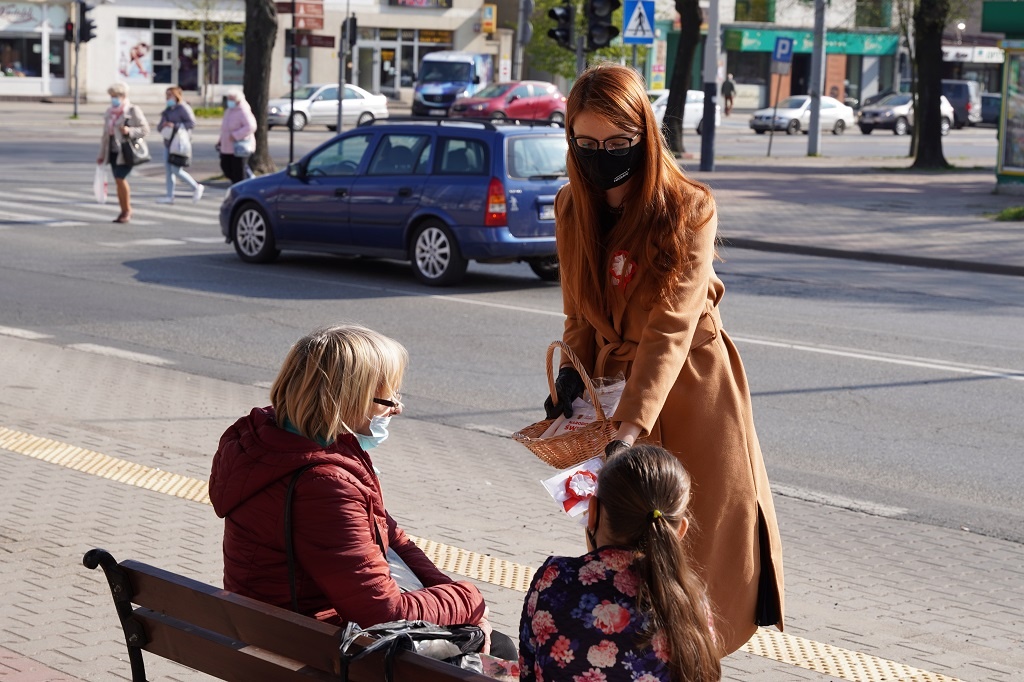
{"x":436,"y":192}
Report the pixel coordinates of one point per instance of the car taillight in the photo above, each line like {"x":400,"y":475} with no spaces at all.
{"x":968,"y":107}
{"x":497,"y":212}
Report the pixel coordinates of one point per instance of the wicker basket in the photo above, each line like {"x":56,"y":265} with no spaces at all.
{"x":573,"y":447}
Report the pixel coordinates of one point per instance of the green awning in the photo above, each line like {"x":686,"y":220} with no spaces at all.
{"x":837,"y":42}
{"x":1003,"y":17}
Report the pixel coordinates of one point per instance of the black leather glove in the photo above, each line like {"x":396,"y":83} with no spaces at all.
{"x":568,"y":386}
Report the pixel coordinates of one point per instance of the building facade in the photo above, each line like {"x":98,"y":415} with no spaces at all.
{"x":198,"y":45}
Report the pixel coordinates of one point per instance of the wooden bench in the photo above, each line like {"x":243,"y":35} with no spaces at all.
{"x":232,"y":637}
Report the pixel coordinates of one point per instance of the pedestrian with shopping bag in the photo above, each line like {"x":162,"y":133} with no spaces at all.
{"x":636,"y":245}
{"x":176,"y":123}
{"x":237,"y":137}
{"x":123,"y":144}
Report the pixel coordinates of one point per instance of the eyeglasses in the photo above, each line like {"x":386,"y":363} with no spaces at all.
{"x":616,"y":146}
{"x":393,"y":404}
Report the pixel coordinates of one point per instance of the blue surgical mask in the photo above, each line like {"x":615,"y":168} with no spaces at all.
{"x":115,"y":101}
{"x":232,"y":104}
{"x":378,"y":432}
{"x":171,"y":103}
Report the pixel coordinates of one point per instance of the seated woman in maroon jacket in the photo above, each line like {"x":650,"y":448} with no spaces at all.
{"x":331,"y":402}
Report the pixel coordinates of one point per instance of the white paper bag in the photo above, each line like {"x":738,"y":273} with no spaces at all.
{"x":572,"y":488}
{"x":99,"y":184}
{"x":584,"y":412}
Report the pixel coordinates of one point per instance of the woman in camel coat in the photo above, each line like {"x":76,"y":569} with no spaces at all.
{"x":636,"y":241}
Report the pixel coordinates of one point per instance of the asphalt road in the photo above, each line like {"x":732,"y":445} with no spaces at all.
{"x":876,"y":387}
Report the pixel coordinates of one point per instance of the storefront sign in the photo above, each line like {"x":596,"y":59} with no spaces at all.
{"x":756,"y":40}
{"x":422,"y":4}
{"x":971,"y":54}
{"x":23,"y":17}
{"x":489,"y":18}
{"x":437,"y":37}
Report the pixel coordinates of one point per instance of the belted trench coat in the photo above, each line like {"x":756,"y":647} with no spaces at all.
{"x":687,"y":389}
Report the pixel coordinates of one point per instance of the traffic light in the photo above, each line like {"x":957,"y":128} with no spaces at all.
{"x":69,"y":32}
{"x":350,"y":30}
{"x":565,"y":24}
{"x":526,"y":27}
{"x":86,"y":26}
{"x":600,"y":29}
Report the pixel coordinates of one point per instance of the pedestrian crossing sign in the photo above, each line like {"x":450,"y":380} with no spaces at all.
{"x":638,"y":22}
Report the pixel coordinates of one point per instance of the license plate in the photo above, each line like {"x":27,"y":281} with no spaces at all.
{"x":547,"y":212}
{"x":437,"y":112}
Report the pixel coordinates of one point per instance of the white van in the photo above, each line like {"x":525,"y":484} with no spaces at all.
{"x":445,"y":76}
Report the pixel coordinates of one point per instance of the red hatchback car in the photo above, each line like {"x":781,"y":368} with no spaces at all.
{"x":517,"y":99}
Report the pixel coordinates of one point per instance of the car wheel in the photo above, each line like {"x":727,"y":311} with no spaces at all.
{"x":364,"y":118}
{"x":253,"y":237}
{"x":944,"y":126}
{"x":793,"y":127}
{"x":545,"y":268}
{"x":759,"y":132}
{"x":557,"y":117}
{"x":297,"y":121}
{"x":332,"y":128}
{"x":867,"y":129}
{"x":435,"y":256}
{"x":700,"y":127}
{"x":498,"y":116}
{"x":900,"y":127}
{"x":839,"y":128}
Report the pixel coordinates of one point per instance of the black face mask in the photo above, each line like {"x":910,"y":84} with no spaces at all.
{"x":607,"y":171}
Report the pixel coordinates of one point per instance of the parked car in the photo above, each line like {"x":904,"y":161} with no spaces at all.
{"x":446,"y":75}
{"x":794,"y":115}
{"x":438,"y":193}
{"x":896,"y":113}
{"x":965,"y":96}
{"x":693,"y":112}
{"x":517,"y":99}
{"x":318,"y":104}
{"x":991,"y":108}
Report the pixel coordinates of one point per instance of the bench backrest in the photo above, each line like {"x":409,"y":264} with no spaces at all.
{"x":236,"y":638}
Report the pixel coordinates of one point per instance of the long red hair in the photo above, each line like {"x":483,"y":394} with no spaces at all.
{"x":661,"y":207}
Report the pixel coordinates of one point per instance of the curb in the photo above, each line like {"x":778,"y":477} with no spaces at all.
{"x":874,"y":257}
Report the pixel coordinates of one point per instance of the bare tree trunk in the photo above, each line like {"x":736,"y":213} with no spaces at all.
{"x":260,"y":36}
{"x":689,"y":37}
{"x":929,"y":21}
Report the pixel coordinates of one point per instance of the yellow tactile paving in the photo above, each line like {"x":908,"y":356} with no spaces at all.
{"x":804,"y":653}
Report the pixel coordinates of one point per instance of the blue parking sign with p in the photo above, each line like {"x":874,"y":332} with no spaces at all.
{"x":783,"y":50}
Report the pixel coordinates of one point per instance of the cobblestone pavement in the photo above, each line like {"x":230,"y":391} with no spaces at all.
{"x":943,"y":601}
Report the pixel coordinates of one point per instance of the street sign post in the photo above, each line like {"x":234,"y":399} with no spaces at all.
{"x":637,"y":22}
{"x":782,"y":58}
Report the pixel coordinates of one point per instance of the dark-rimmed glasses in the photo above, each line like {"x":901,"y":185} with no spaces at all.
{"x":618,"y":145}
{"x":393,"y":404}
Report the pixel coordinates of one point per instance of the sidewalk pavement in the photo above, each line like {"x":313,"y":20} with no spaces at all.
{"x":943,"y":604}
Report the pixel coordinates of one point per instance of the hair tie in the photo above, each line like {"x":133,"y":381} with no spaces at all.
{"x":654,"y":515}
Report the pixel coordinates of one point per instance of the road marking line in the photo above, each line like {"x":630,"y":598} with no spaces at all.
{"x":205,"y":240}
{"x":120,"y":353}
{"x":865,"y":506}
{"x":804,"y":653}
{"x":906,"y":360}
{"x":156,"y":241}
{"x":23,"y":333}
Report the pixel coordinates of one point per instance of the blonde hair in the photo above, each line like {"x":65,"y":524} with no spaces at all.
{"x":176,"y":93}
{"x":644,"y":493}
{"x":118,"y":89}
{"x":662,"y":207}
{"x":330,"y":377}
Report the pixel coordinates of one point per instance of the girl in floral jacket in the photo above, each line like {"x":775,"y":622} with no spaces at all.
{"x":631,"y":609}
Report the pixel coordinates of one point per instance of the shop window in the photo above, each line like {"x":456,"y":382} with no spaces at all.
{"x":854,"y":75}
{"x":234,"y":65}
{"x":128,"y":22}
{"x":873,"y":13}
{"x":751,"y":68}
{"x":165,"y":24}
{"x":755,"y":10}
{"x":435,"y":37}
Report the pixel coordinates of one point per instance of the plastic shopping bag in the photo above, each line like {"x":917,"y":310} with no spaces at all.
{"x":99,"y":184}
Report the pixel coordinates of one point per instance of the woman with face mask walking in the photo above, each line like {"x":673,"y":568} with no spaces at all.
{"x":332,"y":403}
{"x":176,"y":119}
{"x":123,"y":121}
{"x":237,"y":136}
{"x":636,"y":243}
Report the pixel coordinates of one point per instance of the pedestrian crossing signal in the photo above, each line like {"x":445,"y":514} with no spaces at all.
{"x":600,"y":29}
{"x":69,"y":32}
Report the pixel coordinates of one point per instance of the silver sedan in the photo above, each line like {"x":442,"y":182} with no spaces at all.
{"x":318,"y":104}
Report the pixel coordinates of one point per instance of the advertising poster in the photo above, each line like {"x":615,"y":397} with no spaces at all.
{"x":135,"y":55}
{"x":1012,"y":153}
{"x":301,"y":72}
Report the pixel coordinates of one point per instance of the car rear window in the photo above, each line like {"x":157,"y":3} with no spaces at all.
{"x":537,"y":155}
{"x":459,"y":156}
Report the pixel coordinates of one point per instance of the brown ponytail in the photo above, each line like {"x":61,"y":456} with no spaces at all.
{"x":643,"y":494}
